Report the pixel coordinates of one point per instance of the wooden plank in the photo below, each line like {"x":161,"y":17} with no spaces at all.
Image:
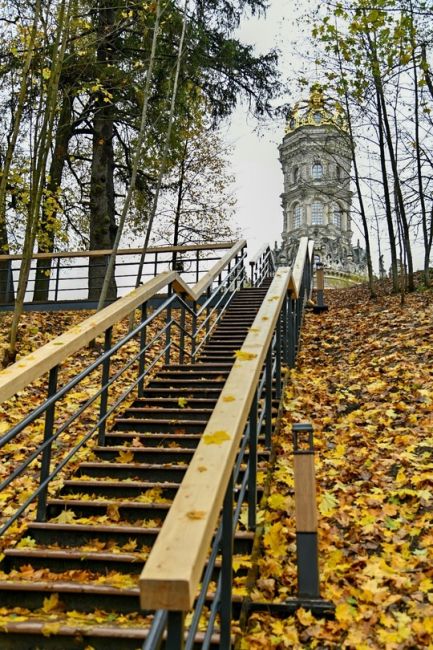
{"x":298,"y":267}
{"x":173,"y":570}
{"x":122,"y":251}
{"x":207,"y":279}
{"x":305,"y":493}
{"x":32,"y":366}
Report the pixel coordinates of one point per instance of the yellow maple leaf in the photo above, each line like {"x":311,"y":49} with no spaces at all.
{"x":196,"y":514}
{"x":26,"y":542}
{"x":125,"y":457}
{"x":50,"y":603}
{"x":277,"y":501}
{"x":241,"y":355}
{"x":275,"y":539}
{"x":182,"y":402}
{"x":305,"y":617}
{"x":228,"y":398}
{"x":216,"y":438}
{"x":328,"y":503}
{"x":50,"y":628}
{"x":345,"y":613}
{"x":113,"y":512}
{"x":65,"y":517}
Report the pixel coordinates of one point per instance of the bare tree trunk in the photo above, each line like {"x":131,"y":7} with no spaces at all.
{"x":102,"y":205}
{"x":38,"y":181}
{"x":5,"y":289}
{"x":179,"y":205}
{"x":46,"y":234}
{"x":111,"y":263}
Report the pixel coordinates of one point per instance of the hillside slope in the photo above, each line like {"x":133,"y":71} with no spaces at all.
{"x":365,"y":381}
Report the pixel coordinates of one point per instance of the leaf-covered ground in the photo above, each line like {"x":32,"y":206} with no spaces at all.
{"x":365,"y":381}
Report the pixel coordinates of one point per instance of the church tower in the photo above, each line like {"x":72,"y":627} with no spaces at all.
{"x":316,"y":160}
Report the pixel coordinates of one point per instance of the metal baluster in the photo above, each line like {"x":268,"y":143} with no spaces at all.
{"x":155,"y":265}
{"x":208,"y":310}
{"x":104,"y":395}
{"x":226,"y":568}
{"x":175,"y":631}
{"x":41,"y":514}
{"x":56,"y":289}
{"x":268,"y":398}
{"x":197,"y":265}
{"x":142,"y":358}
{"x":252,"y":466}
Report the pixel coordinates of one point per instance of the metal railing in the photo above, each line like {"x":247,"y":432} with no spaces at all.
{"x":74,"y":279}
{"x":178,"y":564}
{"x":174,"y":331}
{"x":262,"y":265}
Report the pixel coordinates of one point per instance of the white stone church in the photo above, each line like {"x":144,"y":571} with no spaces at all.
{"x":316,"y":161}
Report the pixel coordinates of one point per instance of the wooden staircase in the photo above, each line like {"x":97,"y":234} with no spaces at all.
{"x":71,"y":582}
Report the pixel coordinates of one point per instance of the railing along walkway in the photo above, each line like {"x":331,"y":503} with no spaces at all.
{"x":227,"y":447}
{"x":73,"y":280}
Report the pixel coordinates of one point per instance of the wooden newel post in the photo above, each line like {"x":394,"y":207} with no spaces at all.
{"x":306,"y":512}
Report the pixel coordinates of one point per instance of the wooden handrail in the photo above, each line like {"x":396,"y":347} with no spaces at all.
{"x":259,"y":253}
{"x":122,"y":251}
{"x":298,"y":266}
{"x":173,"y":570}
{"x":34,"y":365}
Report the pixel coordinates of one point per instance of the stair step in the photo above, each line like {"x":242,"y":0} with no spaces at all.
{"x":140,"y":471}
{"x":78,"y":596}
{"x":120,"y":488}
{"x":170,"y":415}
{"x":126,"y":510}
{"x":157,"y":455}
{"x":160,"y":425}
{"x":149,"y":439}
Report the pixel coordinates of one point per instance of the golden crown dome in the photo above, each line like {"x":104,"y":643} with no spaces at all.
{"x":316,"y":111}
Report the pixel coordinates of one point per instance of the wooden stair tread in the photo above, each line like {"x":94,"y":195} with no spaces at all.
{"x":96,"y":528}
{"x":67,"y":587}
{"x":79,"y":554}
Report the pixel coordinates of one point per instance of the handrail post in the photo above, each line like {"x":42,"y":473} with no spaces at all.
{"x":104,"y":395}
{"x":278,"y":358}
{"x":226,"y":568}
{"x":175,"y":631}
{"x":268,"y":398}
{"x":41,"y":513}
{"x":168,"y":330}
{"x":306,"y":511}
{"x":208,"y":310}
{"x":193,"y":330}
{"x":252,"y":465}
{"x":252,"y":265}
{"x":285,"y":330}
{"x":142,"y":358}
{"x":291,"y":310}
{"x":182,"y":334}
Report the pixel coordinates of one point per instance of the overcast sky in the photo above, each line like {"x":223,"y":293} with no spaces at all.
{"x":259,"y":179}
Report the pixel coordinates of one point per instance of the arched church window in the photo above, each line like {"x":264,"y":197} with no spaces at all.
{"x":297,"y":216}
{"x":316,"y":213}
{"x":317,"y":117}
{"x":339,"y":172}
{"x":317,"y":171}
{"x":295,"y":174}
{"x":337,"y":218}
